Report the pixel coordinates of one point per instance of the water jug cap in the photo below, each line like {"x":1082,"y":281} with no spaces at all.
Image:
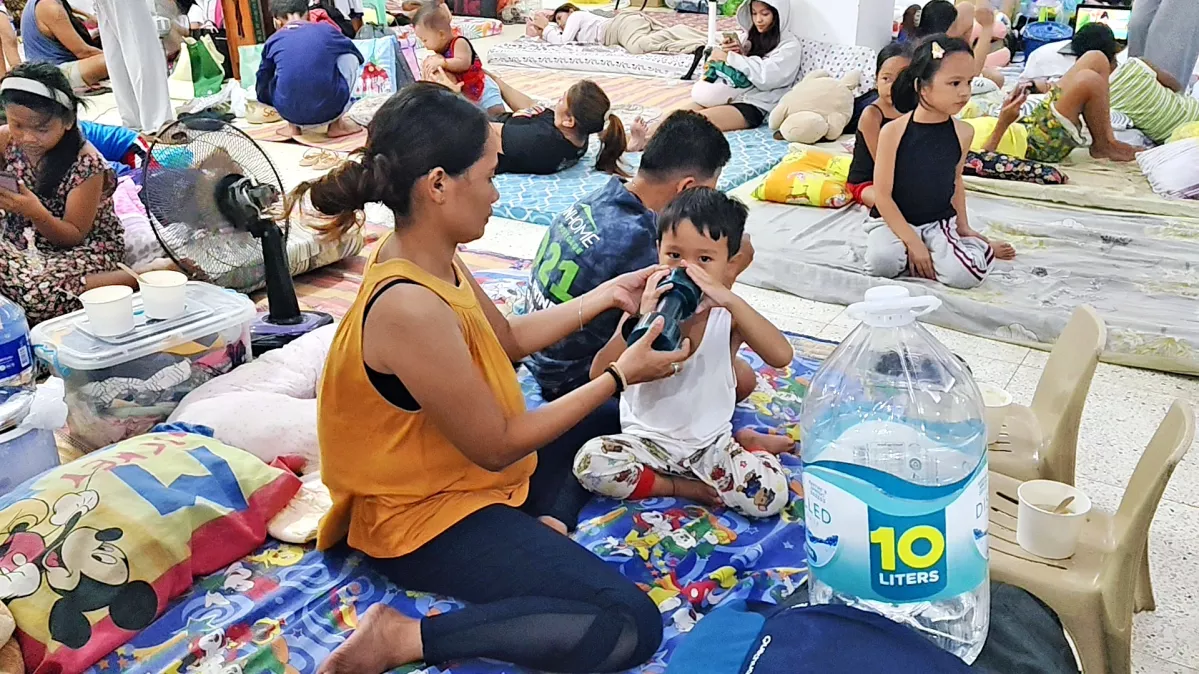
{"x":892,"y":306}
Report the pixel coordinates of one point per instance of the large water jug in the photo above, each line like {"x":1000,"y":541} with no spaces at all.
{"x":895,"y":477}
{"x":16,"y":356}
{"x":1051,"y":10}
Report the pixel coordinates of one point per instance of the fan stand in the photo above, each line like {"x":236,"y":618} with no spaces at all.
{"x":283,"y":321}
{"x":244,"y":202}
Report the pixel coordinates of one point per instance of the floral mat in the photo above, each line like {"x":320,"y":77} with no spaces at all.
{"x":285,"y":607}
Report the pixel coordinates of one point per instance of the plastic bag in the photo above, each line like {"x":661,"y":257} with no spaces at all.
{"x":48,"y":411}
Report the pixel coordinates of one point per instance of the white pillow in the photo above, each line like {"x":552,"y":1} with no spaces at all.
{"x":266,"y":407}
{"x":1173,"y":169}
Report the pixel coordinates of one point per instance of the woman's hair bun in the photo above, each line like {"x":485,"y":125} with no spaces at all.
{"x":349,"y":187}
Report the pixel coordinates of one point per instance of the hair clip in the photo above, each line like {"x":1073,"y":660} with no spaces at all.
{"x":938,"y":51}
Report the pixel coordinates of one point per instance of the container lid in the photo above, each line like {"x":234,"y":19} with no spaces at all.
{"x":892,"y":306}
{"x":1048,"y":31}
{"x":67,"y":342}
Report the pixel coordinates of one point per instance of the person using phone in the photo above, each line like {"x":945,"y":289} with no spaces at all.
{"x":60,"y":234}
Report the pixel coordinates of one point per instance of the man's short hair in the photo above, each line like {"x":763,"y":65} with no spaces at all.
{"x":685,"y":144}
{"x":1095,"y":36}
{"x":281,"y":9}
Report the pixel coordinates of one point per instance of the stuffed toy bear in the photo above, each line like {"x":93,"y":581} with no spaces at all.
{"x":817,"y":108}
{"x":11,"y":661}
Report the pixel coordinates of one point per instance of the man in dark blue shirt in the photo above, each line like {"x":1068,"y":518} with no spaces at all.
{"x":613,"y":231}
{"x":308,"y":71}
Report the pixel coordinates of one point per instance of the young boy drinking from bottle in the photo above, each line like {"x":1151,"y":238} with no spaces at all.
{"x":676,"y":434}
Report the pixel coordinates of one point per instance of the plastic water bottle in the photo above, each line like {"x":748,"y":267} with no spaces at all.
{"x":895,"y":477}
{"x":16,"y":355}
{"x":1051,"y":10}
{"x":1069,"y":9}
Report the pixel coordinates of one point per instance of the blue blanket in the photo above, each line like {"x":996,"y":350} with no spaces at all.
{"x":537,"y":199}
{"x":284,"y":608}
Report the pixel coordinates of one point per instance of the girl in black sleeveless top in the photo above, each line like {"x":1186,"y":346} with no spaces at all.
{"x":920,"y":223}
{"x":891,"y":62}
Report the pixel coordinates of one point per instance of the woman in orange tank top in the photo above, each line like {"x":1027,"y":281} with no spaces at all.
{"x":426,"y":446}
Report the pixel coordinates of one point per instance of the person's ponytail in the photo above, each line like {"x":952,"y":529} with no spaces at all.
{"x":340,"y":195}
{"x":905,"y":95}
{"x":613,"y":143}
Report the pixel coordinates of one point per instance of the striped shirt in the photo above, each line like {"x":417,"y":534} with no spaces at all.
{"x":1153,"y":108}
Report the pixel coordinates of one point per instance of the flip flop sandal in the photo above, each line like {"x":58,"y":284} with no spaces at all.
{"x":329,"y":161}
{"x":258,"y":113}
{"x":312,"y":157}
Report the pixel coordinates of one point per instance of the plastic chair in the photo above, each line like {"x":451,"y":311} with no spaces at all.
{"x":1042,"y":441}
{"x":1091,"y":591}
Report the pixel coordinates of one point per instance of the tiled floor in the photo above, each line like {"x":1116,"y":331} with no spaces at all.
{"x":1123,"y":410}
{"x":1122,"y":413}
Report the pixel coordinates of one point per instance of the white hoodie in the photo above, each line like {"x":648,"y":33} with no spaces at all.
{"x":774,"y":74}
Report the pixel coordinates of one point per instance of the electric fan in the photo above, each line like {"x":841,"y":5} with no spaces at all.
{"x":210,"y":191}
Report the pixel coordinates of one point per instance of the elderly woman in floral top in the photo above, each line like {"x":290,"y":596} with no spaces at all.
{"x":60,"y":233}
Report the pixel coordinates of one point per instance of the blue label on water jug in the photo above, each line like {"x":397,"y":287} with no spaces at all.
{"x":875,"y":536}
{"x":16,"y":358}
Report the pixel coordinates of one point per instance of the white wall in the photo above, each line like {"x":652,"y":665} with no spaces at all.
{"x":862,"y":22}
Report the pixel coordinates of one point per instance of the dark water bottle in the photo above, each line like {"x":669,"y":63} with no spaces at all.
{"x":677,"y":305}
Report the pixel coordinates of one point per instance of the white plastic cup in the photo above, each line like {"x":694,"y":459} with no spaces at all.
{"x":109,"y":310}
{"x":1040,"y":531}
{"x":997,"y":402}
{"x":164,"y":293}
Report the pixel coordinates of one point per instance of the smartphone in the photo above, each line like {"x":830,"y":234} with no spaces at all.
{"x":8,"y":182}
{"x":730,"y":37}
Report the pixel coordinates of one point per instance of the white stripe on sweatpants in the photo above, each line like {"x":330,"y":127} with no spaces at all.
{"x":958,"y":262}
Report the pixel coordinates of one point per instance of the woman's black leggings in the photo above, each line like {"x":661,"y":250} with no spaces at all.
{"x":536,"y":598}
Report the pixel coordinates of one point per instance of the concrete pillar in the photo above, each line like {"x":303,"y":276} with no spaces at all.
{"x":862,"y":22}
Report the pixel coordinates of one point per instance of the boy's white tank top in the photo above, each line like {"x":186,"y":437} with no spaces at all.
{"x":695,"y":406}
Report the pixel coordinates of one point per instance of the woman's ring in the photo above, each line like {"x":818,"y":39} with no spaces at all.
{"x":675,"y":367}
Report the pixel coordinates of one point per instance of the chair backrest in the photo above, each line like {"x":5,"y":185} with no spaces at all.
{"x":1162,"y":455}
{"x":1062,"y":391}
{"x":1143,"y":494}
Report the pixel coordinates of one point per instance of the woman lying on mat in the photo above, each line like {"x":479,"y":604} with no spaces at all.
{"x":635,"y":32}
{"x":59,"y":187}
{"x":426,"y":447}
{"x":540,"y":140}
{"x":744,"y":81}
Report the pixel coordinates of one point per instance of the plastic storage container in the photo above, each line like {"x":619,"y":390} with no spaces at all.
{"x":895,"y":477}
{"x":118,"y":387}
{"x":1037,"y":35}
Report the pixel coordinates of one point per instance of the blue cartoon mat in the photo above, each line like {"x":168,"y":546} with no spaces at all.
{"x":283,"y":609}
{"x":537,"y":199}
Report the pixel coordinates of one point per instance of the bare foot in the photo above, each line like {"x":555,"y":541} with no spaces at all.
{"x":681,"y":487}
{"x":766,"y":442}
{"x":638,"y":135}
{"x":1003,"y":250}
{"x":343,"y":127}
{"x":1117,"y":151}
{"x":555,"y":524}
{"x":290,"y":131}
{"x":385,"y":639}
